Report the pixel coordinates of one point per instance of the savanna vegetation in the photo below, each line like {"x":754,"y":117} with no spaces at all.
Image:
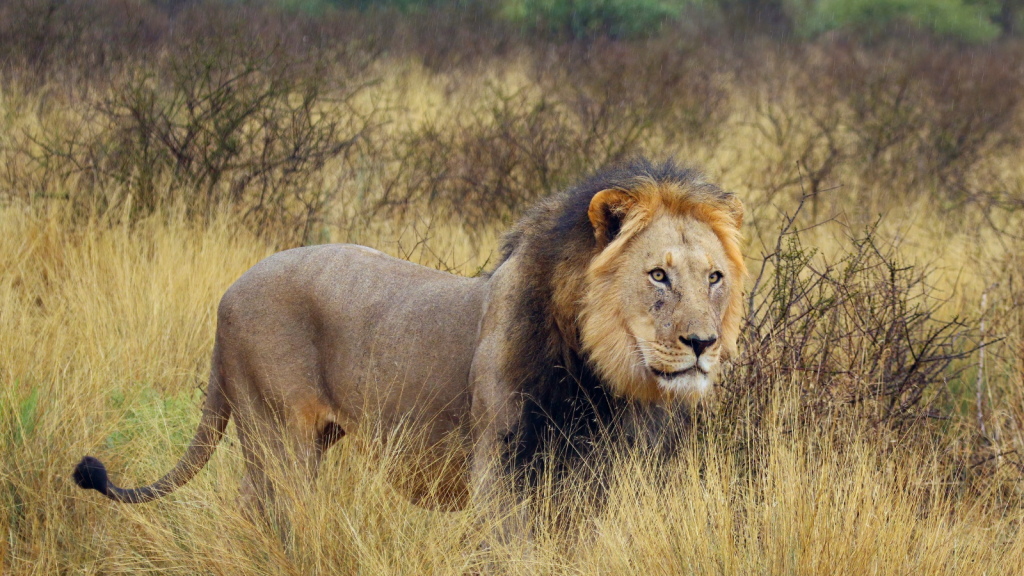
{"x":150,"y":152}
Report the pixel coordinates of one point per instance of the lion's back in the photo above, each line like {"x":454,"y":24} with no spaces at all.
{"x":365,"y":330}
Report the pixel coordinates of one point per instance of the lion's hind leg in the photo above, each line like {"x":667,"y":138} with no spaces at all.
{"x":256,"y":492}
{"x":282,"y":458}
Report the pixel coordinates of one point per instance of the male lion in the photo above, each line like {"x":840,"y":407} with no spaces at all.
{"x":612,"y":301}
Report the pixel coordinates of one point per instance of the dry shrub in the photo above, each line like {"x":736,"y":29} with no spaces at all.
{"x":925,"y":118}
{"x":972,"y":113}
{"x":247,"y":128}
{"x":484,"y":165}
{"x":596,"y":105}
{"x":75,"y":41}
{"x":443,"y":37}
{"x":921,"y":117}
{"x":797,"y":114}
{"x":929,"y":112}
{"x":861,"y":342}
{"x":672,"y":88}
{"x":236,"y":121}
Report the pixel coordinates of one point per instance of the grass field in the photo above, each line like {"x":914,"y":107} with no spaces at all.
{"x":106,"y":336}
{"x":113,"y":259}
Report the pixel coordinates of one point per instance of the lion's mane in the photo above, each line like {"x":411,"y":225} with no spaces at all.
{"x":568,"y":393}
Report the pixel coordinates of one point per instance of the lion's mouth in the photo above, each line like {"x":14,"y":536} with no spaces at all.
{"x":673,"y":375}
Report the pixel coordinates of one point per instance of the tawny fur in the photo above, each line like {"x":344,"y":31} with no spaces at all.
{"x":316,"y":343}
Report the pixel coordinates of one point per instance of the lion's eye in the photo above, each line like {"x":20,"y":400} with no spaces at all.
{"x":658,"y":275}
{"x":715,"y":277}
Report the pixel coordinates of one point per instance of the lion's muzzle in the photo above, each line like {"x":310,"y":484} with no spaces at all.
{"x":682,"y":370}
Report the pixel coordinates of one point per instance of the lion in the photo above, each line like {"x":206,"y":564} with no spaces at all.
{"x":612,"y":303}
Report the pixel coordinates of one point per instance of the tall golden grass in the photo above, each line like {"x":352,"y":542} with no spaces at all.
{"x":107,"y":322}
{"x":106,"y":333}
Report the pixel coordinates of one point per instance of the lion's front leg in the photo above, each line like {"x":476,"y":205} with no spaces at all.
{"x":499,"y":495}
{"x":498,"y":498}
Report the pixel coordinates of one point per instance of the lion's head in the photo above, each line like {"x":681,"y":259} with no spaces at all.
{"x":663,"y":298}
{"x":631,"y":282}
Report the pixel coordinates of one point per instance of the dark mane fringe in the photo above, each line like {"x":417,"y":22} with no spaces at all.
{"x":565,"y":404}
{"x":570,"y":207}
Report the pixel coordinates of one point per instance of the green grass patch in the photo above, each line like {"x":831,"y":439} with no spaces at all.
{"x":156,"y":420}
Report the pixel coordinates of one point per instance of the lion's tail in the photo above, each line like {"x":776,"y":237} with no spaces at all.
{"x":91,"y":473}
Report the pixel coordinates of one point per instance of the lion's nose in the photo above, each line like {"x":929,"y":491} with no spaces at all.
{"x":698,"y":344}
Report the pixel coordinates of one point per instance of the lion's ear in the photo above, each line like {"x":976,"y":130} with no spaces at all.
{"x":608,"y":208}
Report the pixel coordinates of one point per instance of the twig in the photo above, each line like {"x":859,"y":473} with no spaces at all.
{"x":981,"y":360}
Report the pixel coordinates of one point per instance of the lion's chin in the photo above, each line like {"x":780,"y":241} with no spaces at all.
{"x":693,"y":383}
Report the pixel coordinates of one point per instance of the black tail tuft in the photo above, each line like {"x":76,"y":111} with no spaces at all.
{"x":91,"y":473}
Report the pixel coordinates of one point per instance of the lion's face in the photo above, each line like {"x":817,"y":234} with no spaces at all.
{"x":660,"y":310}
{"x":673,"y":291}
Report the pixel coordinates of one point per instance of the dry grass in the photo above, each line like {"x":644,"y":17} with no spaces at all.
{"x":107,"y":321}
{"x":106,"y":334}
